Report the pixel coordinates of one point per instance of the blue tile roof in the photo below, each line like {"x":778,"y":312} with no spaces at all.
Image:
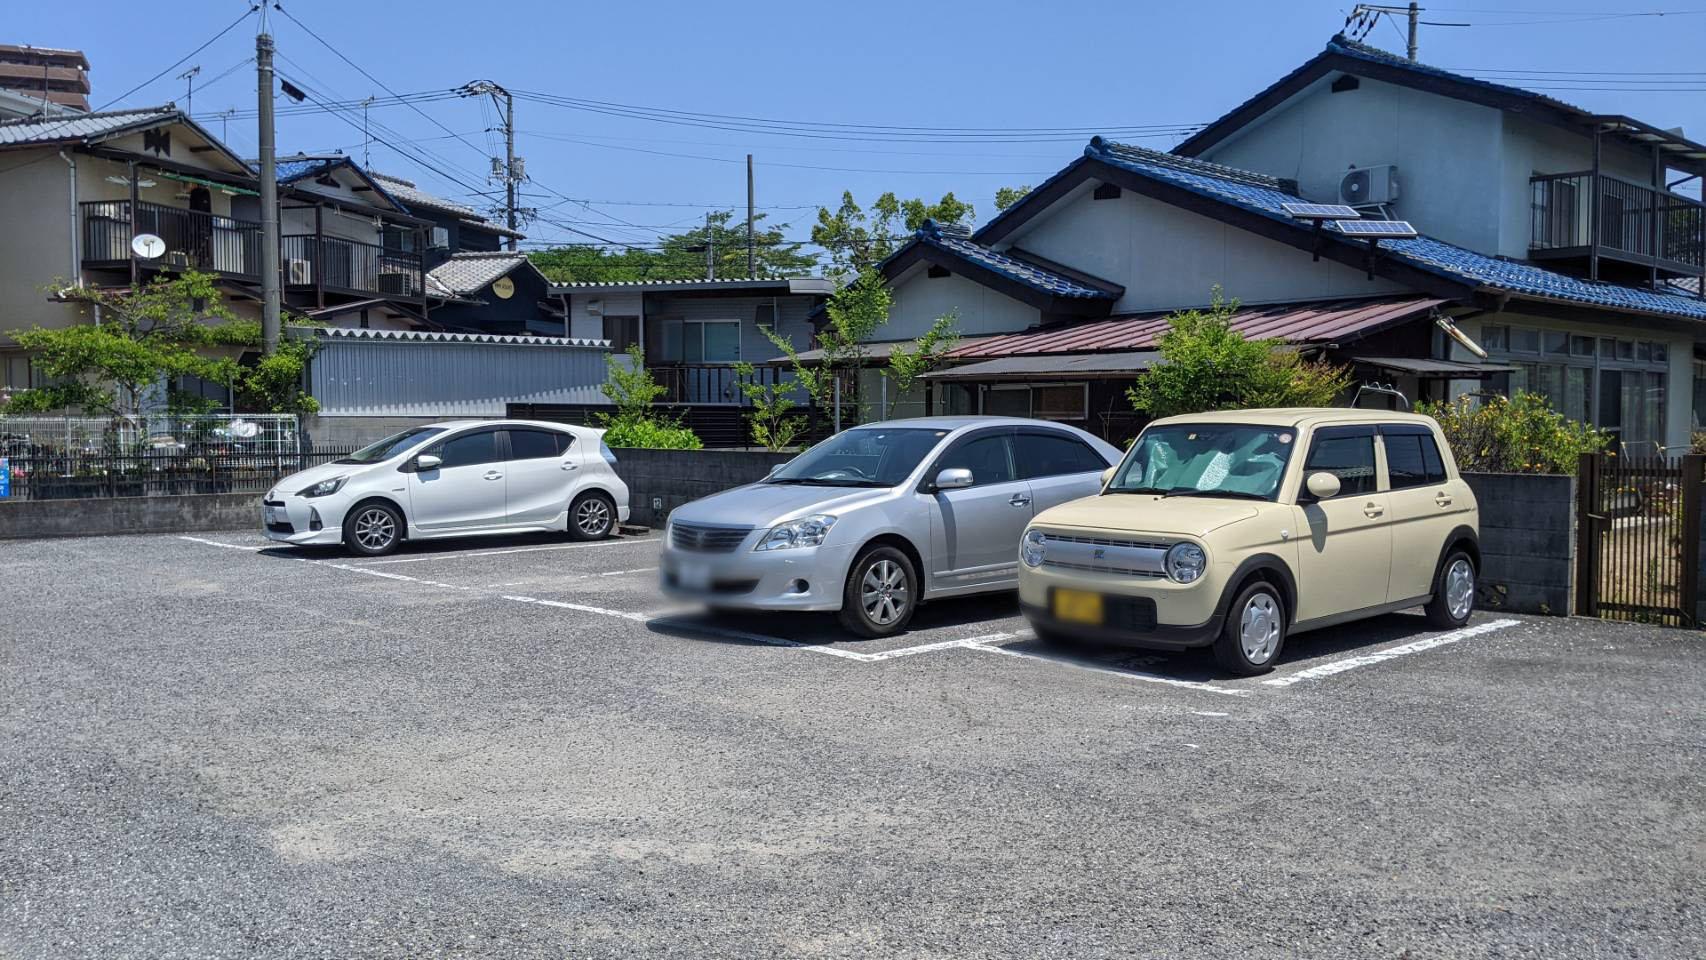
{"x":292,"y":170}
{"x":1247,"y":191}
{"x":959,"y":243}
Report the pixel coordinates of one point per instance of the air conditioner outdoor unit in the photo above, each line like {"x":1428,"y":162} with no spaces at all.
{"x":301,"y":272}
{"x":440,"y":238}
{"x":1376,"y":184}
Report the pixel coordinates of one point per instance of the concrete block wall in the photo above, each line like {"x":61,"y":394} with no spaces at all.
{"x":104,"y":516}
{"x":1528,"y":542}
{"x":661,"y":480}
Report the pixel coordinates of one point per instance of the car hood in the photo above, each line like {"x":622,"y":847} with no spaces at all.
{"x":1150,"y":513}
{"x":766,"y":504}
{"x":302,"y":480}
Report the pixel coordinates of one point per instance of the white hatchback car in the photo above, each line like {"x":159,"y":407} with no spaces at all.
{"x":454,"y":479}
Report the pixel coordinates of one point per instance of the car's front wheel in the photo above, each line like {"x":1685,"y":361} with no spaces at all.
{"x":880,"y":593}
{"x":373,"y":529}
{"x":1454,"y":592}
{"x":592,"y":516}
{"x":1254,"y":632}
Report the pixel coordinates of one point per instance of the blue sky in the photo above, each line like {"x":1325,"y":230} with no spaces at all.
{"x":1067,"y":67}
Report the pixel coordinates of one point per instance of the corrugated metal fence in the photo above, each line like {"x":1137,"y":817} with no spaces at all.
{"x":371,"y":373}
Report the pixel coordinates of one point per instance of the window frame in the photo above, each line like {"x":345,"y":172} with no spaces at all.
{"x":702,"y":324}
{"x":1341,"y":432}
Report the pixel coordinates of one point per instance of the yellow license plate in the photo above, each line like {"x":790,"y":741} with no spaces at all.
{"x":1078,"y":606}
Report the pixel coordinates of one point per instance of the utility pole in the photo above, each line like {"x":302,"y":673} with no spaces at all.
{"x":512,"y":172}
{"x":189,"y":95}
{"x":365,"y":138}
{"x":1410,"y":50}
{"x":270,"y":292}
{"x":751,"y":252}
{"x":710,"y":250}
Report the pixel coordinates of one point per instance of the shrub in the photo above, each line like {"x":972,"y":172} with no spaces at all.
{"x":655,"y":434}
{"x":1521,"y":434}
{"x":636,"y":422}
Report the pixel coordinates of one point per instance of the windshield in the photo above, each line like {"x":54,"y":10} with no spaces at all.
{"x":392,"y":445}
{"x":865,"y":457}
{"x":1206,"y":459}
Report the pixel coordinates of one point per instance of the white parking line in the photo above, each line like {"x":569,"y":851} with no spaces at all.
{"x":1115,"y":671}
{"x":1352,"y":663}
{"x":584,"y":576}
{"x":228,"y":546}
{"x":456,"y":555}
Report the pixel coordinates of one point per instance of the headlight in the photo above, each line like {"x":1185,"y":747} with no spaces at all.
{"x":804,"y":532}
{"x":1033,"y":547}
{"x":1185,"y":562}
{"x":324,"y":488}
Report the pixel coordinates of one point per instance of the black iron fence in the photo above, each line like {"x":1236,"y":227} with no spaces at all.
{"x":42,"y":474}
{"x":193,"y":238}
{"x":1638,"y":538}
{"x":1572,"y":212}
{"x":333,"y":263}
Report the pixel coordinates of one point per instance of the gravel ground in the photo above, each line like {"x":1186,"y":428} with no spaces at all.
{"x":514,"y":748}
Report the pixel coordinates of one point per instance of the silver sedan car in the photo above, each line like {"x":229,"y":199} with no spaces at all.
{"x":879,"y":518}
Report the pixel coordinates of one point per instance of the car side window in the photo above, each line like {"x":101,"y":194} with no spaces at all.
{"x":1348,"y":457}
{"x":1053,"y":455}
{"x":986,"y":457}
{"x":537,"y":444}
{"x":468,"y":450}
{"x":1431,"y":459}
{"x":1404,"y":463}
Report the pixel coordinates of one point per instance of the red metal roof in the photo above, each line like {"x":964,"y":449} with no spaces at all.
{"x":1295,"y":322}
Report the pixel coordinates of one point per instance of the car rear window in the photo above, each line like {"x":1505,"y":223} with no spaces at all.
{"x":537,"y":444}
{"x":1054,"y":455}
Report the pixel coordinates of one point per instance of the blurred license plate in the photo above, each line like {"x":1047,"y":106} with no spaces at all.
{"x":1078,"y":606}
{"x":693,"y":575}
{"x":272,"y":517}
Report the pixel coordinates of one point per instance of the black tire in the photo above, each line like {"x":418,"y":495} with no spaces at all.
{"x":1055,"y":639}
{"x":1265,"y":607}
{"x":373,"y":529}
{"x":592,"y":516}
{"x":883,"y":578}
{"x":1440,"y":608}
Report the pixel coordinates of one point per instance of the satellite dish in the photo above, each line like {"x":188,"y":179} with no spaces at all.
{"x":148,"y":246}
{"x":244,"y":429}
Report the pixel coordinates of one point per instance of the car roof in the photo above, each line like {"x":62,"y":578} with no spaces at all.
{"x":1301,"y":417}
{"x":545,"y":424}
{"x":955,"y":423}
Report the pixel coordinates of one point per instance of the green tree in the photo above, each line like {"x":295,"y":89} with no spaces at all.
{"x":906,"y":365}
{"x":137,"y":340}
{"x":1522,"y":434}
{"x":774,"y":425}
{"x":1007,"y":196}
{"x":681,"y":256}
{"x":857,"y":240}
{"x":1207,"y":365}
{"x":636,"y":422}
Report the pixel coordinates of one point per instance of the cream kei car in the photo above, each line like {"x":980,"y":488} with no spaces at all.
{"x":1236,"y":529}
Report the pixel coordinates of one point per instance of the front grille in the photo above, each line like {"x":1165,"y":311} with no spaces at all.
{"x":1106,"y":542}
{"x":1129,"y":613}
{"x":1102,"y":568}
{"x":281,"y":528}
{"x":702,"y":538}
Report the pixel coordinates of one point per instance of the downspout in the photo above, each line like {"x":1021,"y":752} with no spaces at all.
{"x":76,"y":259}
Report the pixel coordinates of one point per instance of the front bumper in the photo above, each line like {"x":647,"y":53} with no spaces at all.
{"x":1142,"y":612}
{"x":770,"y":580}
{"x":304,"y":522}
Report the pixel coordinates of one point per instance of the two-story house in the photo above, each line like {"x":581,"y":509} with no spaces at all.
{"x":1548,"y":234}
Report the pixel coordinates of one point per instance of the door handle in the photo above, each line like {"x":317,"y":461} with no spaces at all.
{"x":494,"y":475}
{"x":1019,"y":500}
{"x":1372,"y":509}
{"x":571,"y":466}
{"x":1443,"y":500}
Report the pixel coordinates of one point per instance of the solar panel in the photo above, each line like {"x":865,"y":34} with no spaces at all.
{"x":1320,"y":211}
{"x":1376,"y":229}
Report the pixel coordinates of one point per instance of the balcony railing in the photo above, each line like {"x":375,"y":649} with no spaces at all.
{"x":202,"y":241}
{"x":1578,"y":214}
{"x":350,"y":266}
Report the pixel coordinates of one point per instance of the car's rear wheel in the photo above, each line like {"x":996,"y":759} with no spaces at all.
{"x":1454,"y":592}
{"x":592,"y":516}
{"x":880,"y":593}
{"x":1254,"y":632}
{"x":373,"y":529}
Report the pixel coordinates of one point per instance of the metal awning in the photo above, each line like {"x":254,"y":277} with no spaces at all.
{"x":1068,"y":366}
{"x":1428,"y":369}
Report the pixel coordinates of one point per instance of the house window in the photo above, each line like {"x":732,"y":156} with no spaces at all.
{"x":1044,"y":401}
{"x":1616,"y":384}
{"x":622,"y":332}
{"x":710,"y":341}
{"x":764,"y":316}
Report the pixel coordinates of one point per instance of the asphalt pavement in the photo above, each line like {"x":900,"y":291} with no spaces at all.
{"x":516,"y":748}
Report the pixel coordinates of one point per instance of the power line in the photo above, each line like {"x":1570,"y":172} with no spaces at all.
{"x":181,"y":60}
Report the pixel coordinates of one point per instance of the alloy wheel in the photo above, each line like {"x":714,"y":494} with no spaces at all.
{"x":593,"y":516}
{"x":1259,"y":628}
{"x":883,"y":592}
{"x":374,"y":529}
{"x":1460,"y":588}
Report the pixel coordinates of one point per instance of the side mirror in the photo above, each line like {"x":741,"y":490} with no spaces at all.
{"x":425,"y":462}
{"x":1322,"y":485}
{"x":954,"y":478}
{"x":774,"y":468}
{"x":1108,"y":475}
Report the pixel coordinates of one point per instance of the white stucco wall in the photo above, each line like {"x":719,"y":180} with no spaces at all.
{"x":920,"y":299}
{"x":1447,"y":152}
{"x":1167,"y":257}
{"x":587,"y":325}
